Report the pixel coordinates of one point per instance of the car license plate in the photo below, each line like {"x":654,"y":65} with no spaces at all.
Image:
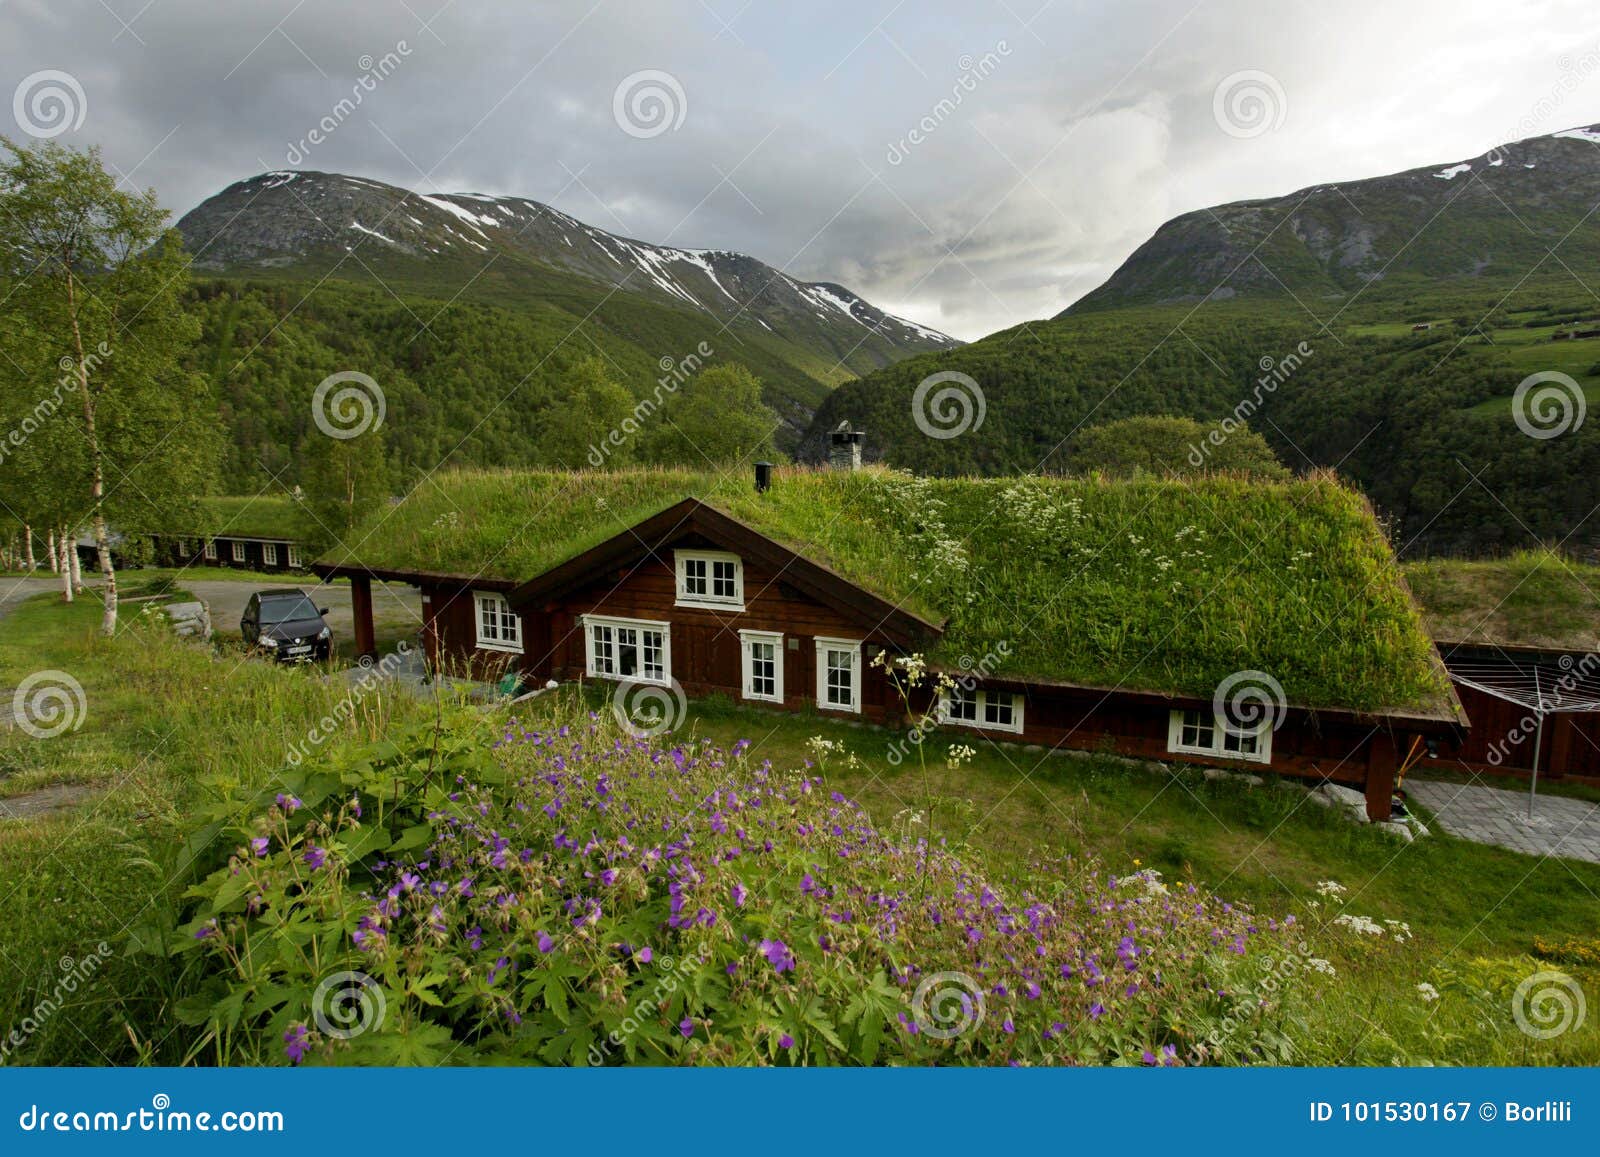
{"x":305,"y":650}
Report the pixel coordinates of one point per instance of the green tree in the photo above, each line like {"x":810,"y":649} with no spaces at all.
{"x":717,"y":419}
{"x":99,"y":283}
{"x":1164,"y":445}
{"x":578,"y":424}
{"x":343,"y":481}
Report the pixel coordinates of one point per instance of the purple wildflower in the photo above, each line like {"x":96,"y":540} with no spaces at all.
{"x":686,"y":1027}
{"x":786,"y":1041}
{"x":295,"y":1042}
{"x":259,"y":845}
{"x":545,"y":943}
{"x":315,"y":856}
{"x":778,"y":955}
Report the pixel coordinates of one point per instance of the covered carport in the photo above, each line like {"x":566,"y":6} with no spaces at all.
{"x":1533,"y":712}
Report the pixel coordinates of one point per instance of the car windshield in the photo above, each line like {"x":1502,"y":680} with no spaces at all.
{"x":287,"y":609}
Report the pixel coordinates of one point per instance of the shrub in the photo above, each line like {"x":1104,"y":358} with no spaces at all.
{"x":579,"y":896}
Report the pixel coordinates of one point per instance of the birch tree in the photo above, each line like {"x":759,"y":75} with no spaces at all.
{"x":100,"y":283}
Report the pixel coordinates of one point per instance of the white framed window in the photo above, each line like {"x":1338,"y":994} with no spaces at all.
{"x":211,"y":549}
{"x":499,"y":628}
{"x":183,"y":548}
{"x":269,"y":554}
{"x":975,"y":707}
{"x":628,"y":649}
{"x":762,"y":665}
{"x":296,"y":559}
{"x":839,"y":674}
{"x":1200,"y":732}
{"x":709,"y":578}
{"x":237,"y":551}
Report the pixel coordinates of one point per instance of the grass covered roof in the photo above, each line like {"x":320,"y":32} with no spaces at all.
{"x":260,"y":516}
{"x":1144,"y":585}
{"x":1536,"y":598}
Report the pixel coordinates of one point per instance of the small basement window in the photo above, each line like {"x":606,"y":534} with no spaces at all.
{"x":269,"y":554}
{"x":499,"y":628}
{"x":710,"y":578}
{"x":839,"y":674}
{"x":989,"y":710}
{"x":1201,"y":732}
{"x":628,"y":649}
{"x":762,"y":663}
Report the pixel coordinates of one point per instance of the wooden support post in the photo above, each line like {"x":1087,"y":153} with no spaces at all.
{"x":1382,"y":760}
{"x":361,"y":607}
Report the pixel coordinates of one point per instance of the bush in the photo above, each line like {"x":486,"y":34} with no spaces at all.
{"x":580,"y":896}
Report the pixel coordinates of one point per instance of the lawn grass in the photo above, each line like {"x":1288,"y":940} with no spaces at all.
{"x":1148,"y":584}
{"x":169,"y":726}
{"x":165,"y":725}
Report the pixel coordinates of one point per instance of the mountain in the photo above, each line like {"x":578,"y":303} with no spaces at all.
{"x":1379,"y":327}
{"x":513,"y":251}
{"x":1489,"y":217}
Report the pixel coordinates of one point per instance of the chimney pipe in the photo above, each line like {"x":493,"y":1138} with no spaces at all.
{"x":763,"y":477}
{"x":844,"y":450}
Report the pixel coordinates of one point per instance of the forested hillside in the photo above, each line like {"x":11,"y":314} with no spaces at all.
{"x":1421,"y":420}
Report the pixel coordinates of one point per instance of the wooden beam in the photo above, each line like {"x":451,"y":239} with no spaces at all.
{"x":1382,"y":761}
{"x":361,"y":607}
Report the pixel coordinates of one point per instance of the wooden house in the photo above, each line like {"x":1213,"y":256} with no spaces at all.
{"x":260,"y":533}
{"x":1063,"y":613}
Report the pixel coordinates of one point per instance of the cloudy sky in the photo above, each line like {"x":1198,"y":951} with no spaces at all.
{"x":970,"y":164}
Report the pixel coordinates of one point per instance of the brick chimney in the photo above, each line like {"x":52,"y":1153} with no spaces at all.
{"x":844,"y":447}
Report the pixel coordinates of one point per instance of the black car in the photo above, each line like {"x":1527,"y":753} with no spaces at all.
{"x":287,"y":623}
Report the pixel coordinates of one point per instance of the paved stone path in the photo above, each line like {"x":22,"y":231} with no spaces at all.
{"x":1492,"y":815}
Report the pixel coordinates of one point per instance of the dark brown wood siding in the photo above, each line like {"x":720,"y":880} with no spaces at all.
{"x":1501,"y":739}
{"x":706,"y":648}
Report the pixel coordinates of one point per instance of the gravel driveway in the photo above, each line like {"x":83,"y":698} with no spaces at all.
{"x":396,"y":609}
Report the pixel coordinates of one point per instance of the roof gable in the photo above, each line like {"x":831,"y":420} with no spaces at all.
{"x":655,"y":536}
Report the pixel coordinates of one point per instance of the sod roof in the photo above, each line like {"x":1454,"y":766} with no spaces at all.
{"x":1529,"y":599}
{"x":1142,"y":585}
{"x":260,"y":516}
